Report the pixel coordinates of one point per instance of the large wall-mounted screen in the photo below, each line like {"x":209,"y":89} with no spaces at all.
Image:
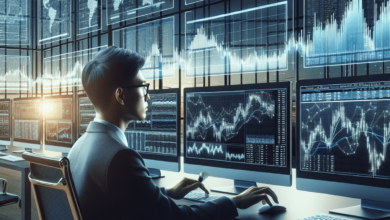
{"x":346,"y":32}
{"x":27,"y":113}
{"x":118,"y":10}
{"x":54,"y":18}
{"x":89,"y":15}
{"x":15,"y":22}
{"x":247,"y":41}
{"x":58,"y":121}
{"x":155,"y":41}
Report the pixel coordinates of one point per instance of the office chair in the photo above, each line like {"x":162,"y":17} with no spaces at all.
{"x":7,"y":198}
{"x":53,"y":187}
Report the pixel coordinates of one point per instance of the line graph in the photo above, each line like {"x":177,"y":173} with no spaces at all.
{"x":348,"y":137}
{"x":250,"y":40}
{"x":346,"y":32}
{"x":155,"y":41}
{"x":221,"y":117}
{"x":15,"y":72}
{"x":206,"y":150}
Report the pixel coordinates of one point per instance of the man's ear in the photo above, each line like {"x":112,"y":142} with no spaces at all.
{"x":120,"y":96}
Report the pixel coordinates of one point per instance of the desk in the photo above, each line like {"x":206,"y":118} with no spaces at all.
{"x":299,"y":204}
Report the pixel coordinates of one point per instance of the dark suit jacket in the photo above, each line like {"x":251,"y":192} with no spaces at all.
{"x":112,"y":182}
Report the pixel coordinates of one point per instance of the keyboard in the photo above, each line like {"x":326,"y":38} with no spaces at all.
{"x":324,"y":217}
{"x":201,"y":196}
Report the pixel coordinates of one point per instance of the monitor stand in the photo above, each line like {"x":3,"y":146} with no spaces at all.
{"x":367,"y":210}
{"x":239,"y":187}
{"x":155,"y":173}
{"x":3,"y":148}
{"x":22,"y":151}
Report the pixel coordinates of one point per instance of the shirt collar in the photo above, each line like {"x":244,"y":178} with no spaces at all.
{"x":117,"y":131}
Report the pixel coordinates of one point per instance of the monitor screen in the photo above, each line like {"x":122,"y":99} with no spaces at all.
{"x":5,"y":113}
{"x":27,"y":120}
{"x":86,"y":114}
{"x":157,"y":137}
{"x":59,"y":121}
{"x":344,"y":129}
{"x":242,"y":127}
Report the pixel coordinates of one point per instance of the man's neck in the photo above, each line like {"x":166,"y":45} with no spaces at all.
{"x":120,"y":123}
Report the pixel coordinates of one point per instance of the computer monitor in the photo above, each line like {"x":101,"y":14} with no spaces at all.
{"x":239,"y":132}
{"x":59,"y":121}
{"x":27,"y":123}
{"x":342,"y":141}
{"x":5,"y":123}
{"x":157,"y":138}
{"x":85,"y":113}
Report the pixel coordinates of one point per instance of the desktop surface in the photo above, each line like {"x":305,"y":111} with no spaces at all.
{"x":299,"y":204}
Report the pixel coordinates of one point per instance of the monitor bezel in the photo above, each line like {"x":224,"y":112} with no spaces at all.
{"x":167,"y":158}
{"x":359,"y":180}
{"x":55,"y":143}
{"x":243,"y":166}
{"x":40,"y":122}
{"x":9,"y":120}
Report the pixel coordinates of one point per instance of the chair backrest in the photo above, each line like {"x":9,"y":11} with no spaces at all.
{"x":54,"y":190}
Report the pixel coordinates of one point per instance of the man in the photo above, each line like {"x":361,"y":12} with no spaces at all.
{"x":111,"y":180}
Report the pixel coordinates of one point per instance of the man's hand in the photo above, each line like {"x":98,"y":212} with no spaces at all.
{"x":254,"y":195}
{"x":183,"y":187}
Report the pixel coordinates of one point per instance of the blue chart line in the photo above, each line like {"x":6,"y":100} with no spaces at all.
{"x":349,"y":132}
{"x":346,"y":32}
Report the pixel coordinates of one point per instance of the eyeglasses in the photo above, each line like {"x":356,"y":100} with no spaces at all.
{"x":146,"y":88}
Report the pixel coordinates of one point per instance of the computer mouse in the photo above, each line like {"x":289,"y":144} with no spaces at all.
{"x":271,"y":209}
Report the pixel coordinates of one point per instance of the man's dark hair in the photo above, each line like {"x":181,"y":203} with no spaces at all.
{"x":109,"y":70}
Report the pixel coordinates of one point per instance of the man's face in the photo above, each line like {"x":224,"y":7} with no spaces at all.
{"x":136,"y":104}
